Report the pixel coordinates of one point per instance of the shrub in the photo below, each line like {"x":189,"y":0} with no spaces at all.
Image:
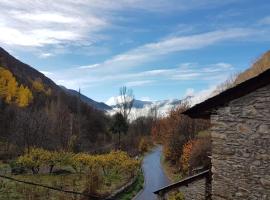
{"x":17,"y":168}
{"x":185,"y":157}
{"x":145,"y":144}
{"x":200,"y":153}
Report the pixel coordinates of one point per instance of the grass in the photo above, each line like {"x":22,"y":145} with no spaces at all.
{"x":136,"y":187}
{"x":73,"y":182}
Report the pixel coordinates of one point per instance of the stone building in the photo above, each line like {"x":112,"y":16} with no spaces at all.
{"x":240,"y":131}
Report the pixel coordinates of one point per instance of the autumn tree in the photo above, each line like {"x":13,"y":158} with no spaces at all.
{"x":175,"y":130}
{"x":185,"y":157}
{"x":8,"y":85}
{"x":24,"y":96}
{"x":10,"y":91}
{"x":201,"y":150}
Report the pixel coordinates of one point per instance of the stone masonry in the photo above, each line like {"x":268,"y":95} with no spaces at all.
{"x":241,"y":148}
{"x":193,"y":191}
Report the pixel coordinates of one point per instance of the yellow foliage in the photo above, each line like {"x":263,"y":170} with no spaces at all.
{"x":38,"y":85}
{"x":24,"y":96}
{"x":10,"y":91}
{"x":8,"y":85}
{"x":117,"y":161}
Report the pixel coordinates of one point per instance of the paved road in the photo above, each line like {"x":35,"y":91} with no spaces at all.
{"x":154,"y":175}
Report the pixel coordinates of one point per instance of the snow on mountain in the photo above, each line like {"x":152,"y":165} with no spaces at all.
{"x":143,"y":108}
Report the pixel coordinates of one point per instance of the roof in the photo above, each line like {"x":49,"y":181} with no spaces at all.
{"x":183,"y":182}
{"x":205,"y":109}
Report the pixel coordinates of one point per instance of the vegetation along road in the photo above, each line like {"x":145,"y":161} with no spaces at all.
{"x":154,"y":175}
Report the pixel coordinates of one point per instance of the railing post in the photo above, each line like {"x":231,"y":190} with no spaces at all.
{"x":208,"y":186}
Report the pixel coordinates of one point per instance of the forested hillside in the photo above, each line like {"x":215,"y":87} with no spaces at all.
{"x":47,"y":132}
{"x":34,"y":111}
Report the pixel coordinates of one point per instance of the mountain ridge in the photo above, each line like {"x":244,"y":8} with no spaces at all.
{"x":26,"y":74}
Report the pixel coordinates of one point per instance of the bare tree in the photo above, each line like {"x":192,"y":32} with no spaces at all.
{"x":125,"y":101}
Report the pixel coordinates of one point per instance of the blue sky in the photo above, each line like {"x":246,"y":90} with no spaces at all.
{"x":162,"y":49}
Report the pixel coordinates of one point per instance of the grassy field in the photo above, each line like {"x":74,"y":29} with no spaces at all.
{"x":71,"y":181}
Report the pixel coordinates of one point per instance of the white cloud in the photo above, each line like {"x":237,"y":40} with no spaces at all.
{"x":152,"y":51}
{"x":138,"y":83}
{"x":111,"y":101}
{"x":88,"y":66}
{"x":189,"y":92}
{"x":74,"y":78}
{"x":39,"y":23}
{"x":265,"y":20}
{"x":114,"y":100}
{"x":202,"y":95}
{"x":145,"y":99}
{"x":46,"y":73}
{"x":45,"y":55}
{"x":44,"y":17}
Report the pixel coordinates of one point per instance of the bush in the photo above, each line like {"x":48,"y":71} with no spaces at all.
{"x":200,"y":153}
{"x":17,"y":168}
{"x":145,"y":144}
{"x":185,"y":157}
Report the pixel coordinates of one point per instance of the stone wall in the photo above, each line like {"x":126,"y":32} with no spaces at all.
{"x":241,"y":148}
{"x":193,"y":191}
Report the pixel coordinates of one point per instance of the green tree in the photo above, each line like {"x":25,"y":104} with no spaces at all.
{"x":119,"y":126}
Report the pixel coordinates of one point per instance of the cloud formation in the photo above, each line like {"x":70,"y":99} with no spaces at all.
{"x":40,"y":23}
{"x":152,"y":51}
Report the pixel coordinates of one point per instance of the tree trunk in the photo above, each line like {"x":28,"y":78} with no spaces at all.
{"x":119,"y":135}
{"x":51,"y":168}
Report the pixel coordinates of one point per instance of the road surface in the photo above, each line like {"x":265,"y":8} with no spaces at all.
{"x":154,"y":175}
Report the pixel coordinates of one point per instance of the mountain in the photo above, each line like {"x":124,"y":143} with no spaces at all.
{"x":143,"y":108}
{"x":36,"y":112}
{"x":25,"y":74}
{"x":98,"y":105}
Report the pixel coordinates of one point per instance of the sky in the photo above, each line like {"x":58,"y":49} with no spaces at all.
{"x":161,"y":49}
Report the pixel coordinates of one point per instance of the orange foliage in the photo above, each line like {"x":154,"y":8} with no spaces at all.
{"x":175,"y":130}
{"x":184,"y":161}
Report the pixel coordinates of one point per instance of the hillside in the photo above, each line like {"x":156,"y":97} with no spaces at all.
{"x":98,"y":105}
{"x":24,"y":73}
{"x":34,"y":111}
{"x":260,"y":65}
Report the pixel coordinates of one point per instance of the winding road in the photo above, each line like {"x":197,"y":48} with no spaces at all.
{"x":154,"y":175}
